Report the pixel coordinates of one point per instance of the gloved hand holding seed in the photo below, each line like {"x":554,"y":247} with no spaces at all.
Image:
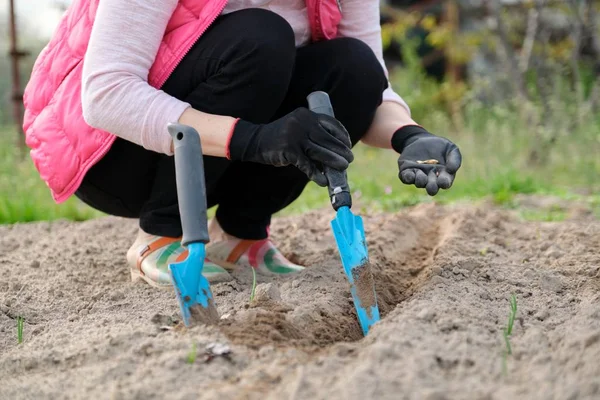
{"x":426,"y":160}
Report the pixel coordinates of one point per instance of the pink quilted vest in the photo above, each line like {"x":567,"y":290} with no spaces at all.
{"x":63,"y":147}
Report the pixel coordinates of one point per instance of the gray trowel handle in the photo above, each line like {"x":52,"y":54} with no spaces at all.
{"x":339,"y":191}
{"x":191,"y":188}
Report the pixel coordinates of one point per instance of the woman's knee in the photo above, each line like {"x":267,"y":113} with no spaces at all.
{"x":360,"y":82}
{"x":263,"y":54}
{"x":266,"y":38}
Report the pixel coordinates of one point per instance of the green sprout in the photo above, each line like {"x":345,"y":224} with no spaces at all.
{"x":20,"y":321}
{"x":191,"y":358}
{"x":508,"y":330}
{"x":511,"y":318}
{"x":253,"y":285}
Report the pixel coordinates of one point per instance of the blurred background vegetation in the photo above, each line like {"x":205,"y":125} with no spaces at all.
{"x":513,"y":82}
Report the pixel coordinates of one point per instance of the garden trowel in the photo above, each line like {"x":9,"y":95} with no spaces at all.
{"x":349,"y":233}
{"x":191,"y":287}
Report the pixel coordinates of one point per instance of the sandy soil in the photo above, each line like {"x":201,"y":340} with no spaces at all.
{"x":443,"y":275}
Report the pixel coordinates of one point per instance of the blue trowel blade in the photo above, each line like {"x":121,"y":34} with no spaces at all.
{"x":350,"y":238}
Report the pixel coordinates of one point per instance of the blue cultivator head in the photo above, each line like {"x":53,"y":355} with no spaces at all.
{"x":192,"y":288}
{"x":350,"y":238}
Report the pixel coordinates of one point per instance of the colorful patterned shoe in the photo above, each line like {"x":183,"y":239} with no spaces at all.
{"x":262,"y":255}
{"x":154,"y":256}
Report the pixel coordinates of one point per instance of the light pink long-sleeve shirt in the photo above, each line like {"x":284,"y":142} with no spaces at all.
{"x":116,"y":96}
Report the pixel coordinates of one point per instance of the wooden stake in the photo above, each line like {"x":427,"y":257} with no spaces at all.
{"x":17,"y":95}
{"x":451,"y":17}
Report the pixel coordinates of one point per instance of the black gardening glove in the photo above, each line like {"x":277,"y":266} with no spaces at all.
{"x":301,"y":138}
{"x":418,"y":148}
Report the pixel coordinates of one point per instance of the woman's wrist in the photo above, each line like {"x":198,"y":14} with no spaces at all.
{"x":390,"y":117}
{"x":215,"y":130}
{"x":240,"y":139}
{"x":406,"y":135}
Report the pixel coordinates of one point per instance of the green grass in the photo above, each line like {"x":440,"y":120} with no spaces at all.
{"x":494,"y":142}
{"x":595,"y":206}
{"x":548,"y":215}
{"x":23,"y":195}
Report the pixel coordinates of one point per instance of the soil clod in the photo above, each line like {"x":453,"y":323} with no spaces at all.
{"x":365,"y":289}
{"x":201,"y":315}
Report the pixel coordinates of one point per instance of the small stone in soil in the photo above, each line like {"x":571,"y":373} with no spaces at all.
{"x":542,"y":315}
{"x":552,"y":283}
{"x":426,"y":314}
{"x":218,"y":349}
{"x":592,"y":339}
{"x":266,"y":292}
{"x":438,"y":280}
{"x":436,"y":270}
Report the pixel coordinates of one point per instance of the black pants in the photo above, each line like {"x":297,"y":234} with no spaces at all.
{"x":246,"y":65}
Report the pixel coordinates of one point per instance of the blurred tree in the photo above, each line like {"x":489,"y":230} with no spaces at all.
{"x":395,"y":16}
{"x":541,"y":56}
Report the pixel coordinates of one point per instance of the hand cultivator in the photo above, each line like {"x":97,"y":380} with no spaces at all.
{"x":191,"y":287}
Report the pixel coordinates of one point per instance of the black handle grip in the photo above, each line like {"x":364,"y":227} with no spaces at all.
{"x":191,"y":188}
{"x":339,"y":191}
